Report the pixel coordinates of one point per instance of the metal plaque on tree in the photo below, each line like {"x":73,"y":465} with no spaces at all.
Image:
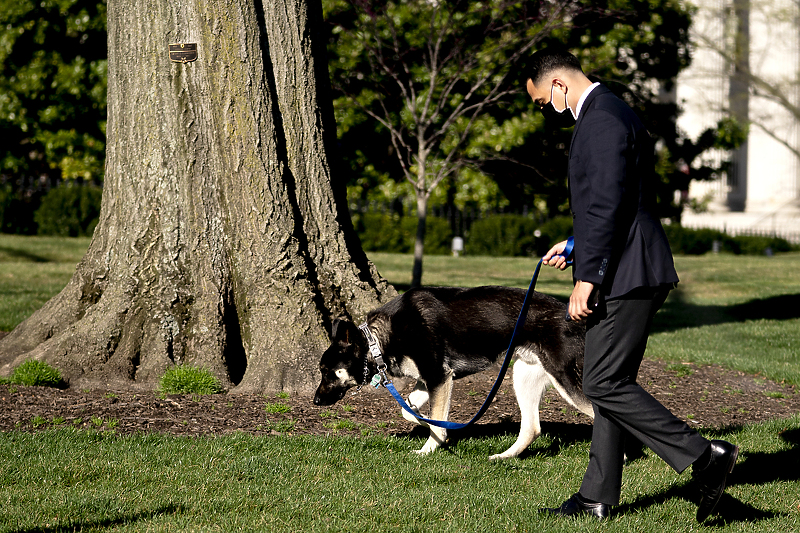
{"x":183,"y":52}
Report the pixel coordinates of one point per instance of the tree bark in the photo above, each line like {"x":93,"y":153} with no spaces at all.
{"x":419,"y":240}
{"x":223,"y":241}
{"x":422,"y":194}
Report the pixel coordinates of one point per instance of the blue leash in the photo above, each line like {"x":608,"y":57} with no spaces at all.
{"x":523,"y":315}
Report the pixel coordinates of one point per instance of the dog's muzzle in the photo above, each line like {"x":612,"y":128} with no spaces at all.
{"x":323,"y":397}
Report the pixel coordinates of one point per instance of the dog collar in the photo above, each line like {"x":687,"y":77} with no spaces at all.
{"x":375,"y":350}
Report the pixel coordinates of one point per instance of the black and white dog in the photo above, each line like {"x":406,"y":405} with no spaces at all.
{"x":438,"y":334}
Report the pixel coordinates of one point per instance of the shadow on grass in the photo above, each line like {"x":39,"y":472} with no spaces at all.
{"x":562,"y":434}
{"x":108,"y":522}
{"x":729,"y":509}
{"x":757,"y":468}
{"x":401,"y":287}
{"x":23,"y":255}
{"x":677,"y":314}
{"x":753,"y":469}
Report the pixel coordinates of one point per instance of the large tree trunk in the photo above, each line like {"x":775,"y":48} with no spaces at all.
{"x":223,"y":240}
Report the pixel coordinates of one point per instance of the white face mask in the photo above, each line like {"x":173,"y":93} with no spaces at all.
{"x":557,"y":118}
{"x":566,"y":104}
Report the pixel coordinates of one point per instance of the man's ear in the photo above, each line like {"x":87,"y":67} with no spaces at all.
{"x":561,"y":84}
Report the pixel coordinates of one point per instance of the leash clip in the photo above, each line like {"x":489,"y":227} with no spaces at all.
{"x":375,"y":350}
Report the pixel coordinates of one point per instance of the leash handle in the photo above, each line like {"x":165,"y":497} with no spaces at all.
{"x":568,"y":250}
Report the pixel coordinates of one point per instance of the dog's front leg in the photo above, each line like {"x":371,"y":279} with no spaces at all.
{"x":530,"y":383}
{"x":440,"y":408}
{"x":418,"y":397}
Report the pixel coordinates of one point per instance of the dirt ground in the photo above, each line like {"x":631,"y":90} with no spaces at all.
{"x":704,"y":396}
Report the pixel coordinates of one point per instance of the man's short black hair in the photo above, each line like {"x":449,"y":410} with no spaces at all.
{"x":549,"y":59}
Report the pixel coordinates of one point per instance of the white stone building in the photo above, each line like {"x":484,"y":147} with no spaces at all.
{"x":746,"y":64}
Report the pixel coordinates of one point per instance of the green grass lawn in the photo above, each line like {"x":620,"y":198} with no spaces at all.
{"x":739,"y":312}
{"x":33,"y":270}
{"x":66,"y":480}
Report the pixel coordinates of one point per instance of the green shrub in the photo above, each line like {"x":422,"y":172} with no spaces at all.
{"x":502,"y":235}
{"x":691,"y":241}
{"x":755,"y":245}
{"x":438,"y":235}
{"x":6,"y":198}
{"x":185,"y":379}
{"x":380,"y":232}
{"x":384,"y":232}
{"x":513,"y":235}
{"x":553,"y":231}
{"x":496,"y":235}
{"x":69,"y":210}
{"x":34,"y":373}
{"x":16,"y":211}
{"x":700,"y":241}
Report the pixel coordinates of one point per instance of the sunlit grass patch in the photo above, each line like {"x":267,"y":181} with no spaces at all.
{"x":187,"y":379}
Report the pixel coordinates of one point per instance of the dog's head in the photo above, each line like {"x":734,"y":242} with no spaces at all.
{"x":342,"y":364}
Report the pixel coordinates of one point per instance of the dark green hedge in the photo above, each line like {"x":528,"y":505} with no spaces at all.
{"x":497,"y":235}
{"x":381,"y":232}
{"x":502,"y":235}
{"x":516,"y":235}
{"x":16,"y":211}
{"x":700,"y":241}
{"x":69,"y":210}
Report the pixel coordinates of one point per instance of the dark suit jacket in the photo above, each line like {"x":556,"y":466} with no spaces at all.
{"x":619,"y":243}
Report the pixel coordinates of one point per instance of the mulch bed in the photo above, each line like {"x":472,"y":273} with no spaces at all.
{"x":704,"y":396}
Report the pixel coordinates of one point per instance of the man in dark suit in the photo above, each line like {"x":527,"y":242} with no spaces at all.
{"x":623,"y":271}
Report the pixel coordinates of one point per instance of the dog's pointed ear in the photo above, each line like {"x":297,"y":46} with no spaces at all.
{"x":335,"y":328}
{"x":342,"y":330}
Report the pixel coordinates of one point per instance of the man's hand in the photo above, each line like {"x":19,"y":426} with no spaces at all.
{"x":552,"y":257}
{"x":579,"y":300}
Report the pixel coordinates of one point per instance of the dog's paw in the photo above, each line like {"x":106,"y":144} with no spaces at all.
{"x":428,"y":448}
{"x":500,"y":456}
{"x":434,"y":441}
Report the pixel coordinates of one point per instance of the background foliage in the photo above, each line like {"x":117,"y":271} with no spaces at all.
{"x":511,"y":158}
{"x":69,"y":210}
{"x":53,"y":88}
{"x":513,"y":235}
{"x":52,"y":101}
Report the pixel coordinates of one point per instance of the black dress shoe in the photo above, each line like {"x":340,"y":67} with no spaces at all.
{"x":576,"y":505}
{"x":712,"y":478}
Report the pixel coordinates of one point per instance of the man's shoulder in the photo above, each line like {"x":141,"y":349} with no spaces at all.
{"x":605,"y":99}
{"x":608,"y":102}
